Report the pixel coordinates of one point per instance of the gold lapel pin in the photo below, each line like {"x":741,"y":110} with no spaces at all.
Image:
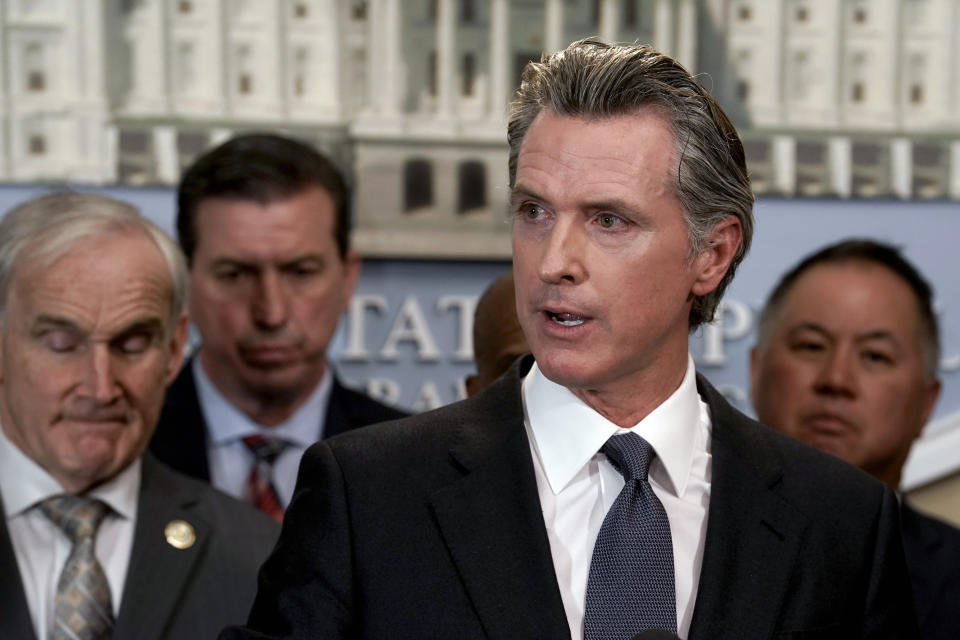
{"x":180,"y":534}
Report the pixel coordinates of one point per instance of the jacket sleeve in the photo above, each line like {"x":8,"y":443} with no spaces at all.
{"x":304,"y":587}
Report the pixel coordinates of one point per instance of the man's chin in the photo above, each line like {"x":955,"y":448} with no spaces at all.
{"x":278,"y":383}
{"x":90,"y":467}
{"x":566,"y":370}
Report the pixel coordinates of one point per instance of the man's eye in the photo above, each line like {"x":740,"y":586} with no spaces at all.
{"x":877,"y":357}
{"x":808,"y":346}
{"x":227,"y":275}
{"x":134,"y":343}
{"x":303,"y":270}
{"x":60,"y":341}
{"x":607,"y":220}
{"x":531,"y":211}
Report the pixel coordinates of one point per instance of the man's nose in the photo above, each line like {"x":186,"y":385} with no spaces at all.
{"x":837,"y":374}
{"x":270,"y":301}
{"x":101,"y":381}
{"x":562,"y":259}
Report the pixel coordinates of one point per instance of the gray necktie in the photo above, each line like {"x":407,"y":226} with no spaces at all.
{"x":82,"y":610}
{"x":630,"y":586}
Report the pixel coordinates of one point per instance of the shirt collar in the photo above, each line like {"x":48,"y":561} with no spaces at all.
{"x":227,"y":424}
{"x":24,"y":483}
{"x":567,"y":433}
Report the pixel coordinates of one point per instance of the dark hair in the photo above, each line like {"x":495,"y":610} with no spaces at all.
{"x":263,"y":167}
{"x":863,"y":250}
{"x":597,"y":80}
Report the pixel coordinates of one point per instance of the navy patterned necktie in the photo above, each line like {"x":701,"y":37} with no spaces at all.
{"x":630,"y":586}
{"x":82,"y":610}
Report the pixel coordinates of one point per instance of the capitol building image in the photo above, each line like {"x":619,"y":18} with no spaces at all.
{"x":833,"y":98}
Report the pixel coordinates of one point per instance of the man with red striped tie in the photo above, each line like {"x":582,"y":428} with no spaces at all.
{"x":264,"y":222}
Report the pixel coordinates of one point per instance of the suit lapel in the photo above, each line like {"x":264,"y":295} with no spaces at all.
{"x":15,"y":619}
{"x":158,"y":571}
{"x":753,"y":535}
{"x":492,"y":524}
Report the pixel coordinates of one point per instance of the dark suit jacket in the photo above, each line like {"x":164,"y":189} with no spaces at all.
{"x":170,"y":593}
{"x":431,"y":527}
{"x":180,"y":440}
{"x":932,"y":548}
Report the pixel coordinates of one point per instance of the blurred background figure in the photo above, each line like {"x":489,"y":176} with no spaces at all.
{"x":846,"y":361}
{"x":264,"y":221}
{"x":497,"y":337}
{"x":99,"y":540}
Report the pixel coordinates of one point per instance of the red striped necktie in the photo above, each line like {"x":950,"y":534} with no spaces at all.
{"x":259,"y":489}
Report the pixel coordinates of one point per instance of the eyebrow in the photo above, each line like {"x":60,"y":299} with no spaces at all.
{"x":876,"y":334}
{"x":43,"y":321}
{"x":307,"y":257}
{"x":250,"y":264}
{"x":152,"y":325}
{"x":519,"y":192}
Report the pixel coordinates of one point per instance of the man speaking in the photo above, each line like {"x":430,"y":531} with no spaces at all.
{"x":601,"y":487}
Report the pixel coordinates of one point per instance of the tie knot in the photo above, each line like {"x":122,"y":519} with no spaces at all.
{"x":265,"y":448}
{"x":631,"y":454}
{"x":77,"y":516}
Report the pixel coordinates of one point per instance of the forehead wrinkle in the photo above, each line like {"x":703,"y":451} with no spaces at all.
{"x":58,"y":292}
{"x":107,"y":314}
{"x":271,"y":233}
{"x":590,"y":185}
{"x":588,"y":191}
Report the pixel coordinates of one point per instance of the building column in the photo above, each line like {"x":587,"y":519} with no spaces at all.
{"x":785,"y":164}
{"x":499,"y":58}
{"x":901,"y":167}
{"x":111,"y":153}
{"x":383,"y":57}
{"x":375,"y":49}
{"x":686,"y":50}
{"x":840,"y":165}
{"x":663,"y":27}
{"x":165,"y":154}
{"x":955,"y":169}
{"x":553,"y":27}
{"x":446,"y":55}
{"x":609,"y":19}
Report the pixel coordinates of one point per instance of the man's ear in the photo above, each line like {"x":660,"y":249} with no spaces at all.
{"x":714,"y":259}
{"x":472,"y":385}
{"x":754,"y":371}
{"x":177,"y":345}
{"x":931,"y":393}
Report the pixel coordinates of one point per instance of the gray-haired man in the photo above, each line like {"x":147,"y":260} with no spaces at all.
{"x":100,"y":540}
{"x":601,"y":487}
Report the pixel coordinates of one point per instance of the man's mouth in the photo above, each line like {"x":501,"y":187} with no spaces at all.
{"x":566,"y":319}
{"x":98,"y":421}
{"x":828,"y":422}
{"x":269,"y":354}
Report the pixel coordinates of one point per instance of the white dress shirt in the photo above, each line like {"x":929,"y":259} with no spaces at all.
{"x":230,"y":460}
{"x":577,"y":484}
{"x":42,"y":548}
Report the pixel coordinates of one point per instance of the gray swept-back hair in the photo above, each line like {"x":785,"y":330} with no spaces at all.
{"x":591,"y":79}
{"x":47,"y":227}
